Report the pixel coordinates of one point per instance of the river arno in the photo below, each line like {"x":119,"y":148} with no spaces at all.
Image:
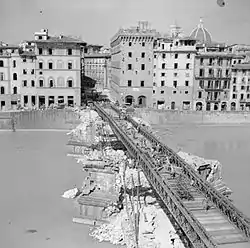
{"x":228,"y":144}
{"x":34,"y":173}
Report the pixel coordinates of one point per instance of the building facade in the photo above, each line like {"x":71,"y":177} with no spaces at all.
{"x":240,"y":90}
{"x":173,"y":72}
{"x":132,"y":65}
{"x":96,"y":62}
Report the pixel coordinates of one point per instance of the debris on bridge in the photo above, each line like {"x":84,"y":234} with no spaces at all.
{"x":210,"y":170}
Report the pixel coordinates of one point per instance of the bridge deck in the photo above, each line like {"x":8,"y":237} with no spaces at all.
{"x":224,"y":233}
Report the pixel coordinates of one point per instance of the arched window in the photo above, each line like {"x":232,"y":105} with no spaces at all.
{"x":40,"y":64}
{"x":14,"y":76}
{"x":2,"y":90}
{"x":51,"y":83}
{"x":59,"y":64}
{"x":70,"y":82}
{"x":41,"y":82}
{"x":15,"y":90}
{"x":60,"y":82}
{"x":1,"y":63}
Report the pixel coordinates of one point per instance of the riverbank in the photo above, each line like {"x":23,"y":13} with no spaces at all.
{"x":34,"y":173}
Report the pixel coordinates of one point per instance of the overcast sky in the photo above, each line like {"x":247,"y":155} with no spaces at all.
{"x":96,"y":21}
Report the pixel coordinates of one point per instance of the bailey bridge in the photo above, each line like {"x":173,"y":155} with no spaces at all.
{"x":222,"y":226}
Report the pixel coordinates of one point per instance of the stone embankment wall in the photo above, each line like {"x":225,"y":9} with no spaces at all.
{"x":159,"y":117}
{"x":36,"y":119}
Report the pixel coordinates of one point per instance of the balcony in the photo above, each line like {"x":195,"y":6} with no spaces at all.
{"x":213,"y":89}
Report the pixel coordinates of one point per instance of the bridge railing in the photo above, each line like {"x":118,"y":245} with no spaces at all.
{"x":195,"y":232}
{"x":241,"y":221}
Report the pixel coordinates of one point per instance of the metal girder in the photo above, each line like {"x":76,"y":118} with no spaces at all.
{"x":194,"y":231}
{"x":221,"y":202}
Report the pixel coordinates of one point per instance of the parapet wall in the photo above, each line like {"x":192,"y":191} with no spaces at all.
{"x":159,"y":117}
{"x":36,"y":119}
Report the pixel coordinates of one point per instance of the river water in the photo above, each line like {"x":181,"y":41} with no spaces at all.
{"x":228,"y":144}
{"x":35,"y":171}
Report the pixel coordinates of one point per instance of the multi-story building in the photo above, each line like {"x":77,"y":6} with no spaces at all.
{"x":132,"y":65}
{"x":212,"y":72}
{"x":96,"y":66}
{"x":56,"y":63}
{"x":173,"y":71}
{"x":240,"y":90}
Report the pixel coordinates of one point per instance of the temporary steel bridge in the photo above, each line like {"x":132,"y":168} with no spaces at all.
{"x":222,"y":226}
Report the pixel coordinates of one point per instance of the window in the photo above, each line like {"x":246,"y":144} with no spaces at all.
{"x":154,"y":74}
{"x":201,"y":73}
{"x":154,"y":66}
{"x":188,"y":56}
{"x":70,"y":83}
{"x":2,"y":90}
{"x":248,"y":96}
{"x":174,"y":92}
{"x":32,"y":71}
{"x":175,"y":84}
{"x":162,"y":83}
{"x":130,"y":54}
{"x":1,"y":63}
{"x":162,"y":46}
{"x":41,"y":83}
{"x":201,"y":61}
{"x":143,"y":44}
{"x":241,"y":96}
{"x":40,"y":37}
{"x":153,"y":91}
{"x":130,"y":44}
{"x":186,"y":92}
{"x":162,"y":91}
{"x":69,"y":51}
{"x":129,"y":83}
{"x":155,"y":56}
{"x":25,"y":99}
{"x":24,"y":71}
{"x":163,"y":65}
{"x":15,"y":90}
{"x":201,"y":84}
{"x":129,"y":67}
{"x":50,"y":65}
{"x":175,"y":74}
{"x":50,"y":51}
{"x":154,"y":84}
{"x":25,"y":83}
{"x":186,"y":83}
{"x":164,"y":55}
{"x":143,"y":55}
{"x":70,"y":65}
{"x":24,"y":60}
{"x":1,"y":76}
{"x":40,"y":65}
{"x":187,"y":66}
{"x":40,"y":51}
{"x":163,"y":74}
{"x":199,"y":94}
{"x":242,"y":87}
{"x":175,"y":65}
{"x":142,"y":67}
{"x":51,"y":83}
{"x":234,"y":96}
{"x":176,"y":56}
{"x":14,"y":64}
{"x":142,"y":83}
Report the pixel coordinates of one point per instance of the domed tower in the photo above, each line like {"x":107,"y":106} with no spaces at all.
{"x":201,"y":34}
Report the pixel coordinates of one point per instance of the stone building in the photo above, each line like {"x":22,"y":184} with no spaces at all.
{"x":212,"y":73}
{"x":96,"y":67}
{"x":132,"y":65}
{"x":173,"y":71}
{"x":57,"y":65}
{"x":240,"y":90}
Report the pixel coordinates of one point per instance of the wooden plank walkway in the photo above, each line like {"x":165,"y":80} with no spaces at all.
{"x":222,"y":231}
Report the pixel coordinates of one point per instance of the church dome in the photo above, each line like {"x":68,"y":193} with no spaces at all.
{"x":201,"y":34}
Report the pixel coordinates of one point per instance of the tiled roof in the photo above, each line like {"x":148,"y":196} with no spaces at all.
{"x":62,"y":39}
{"x":242,"y":66}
